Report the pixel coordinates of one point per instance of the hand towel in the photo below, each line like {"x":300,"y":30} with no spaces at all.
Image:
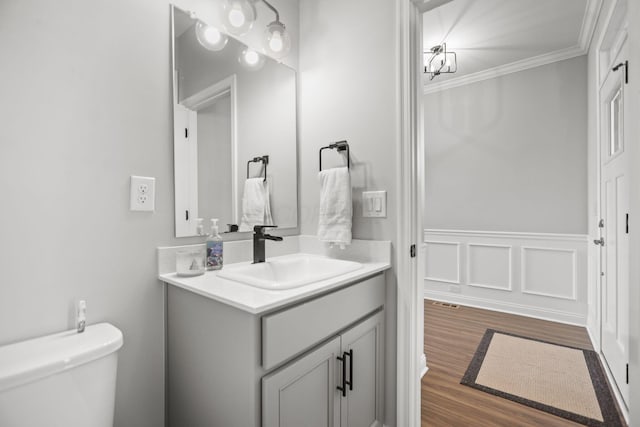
{"x":334,"y":222}
{"x":256,"y":208}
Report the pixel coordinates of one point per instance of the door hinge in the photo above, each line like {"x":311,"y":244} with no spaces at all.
{"x":627,"y":226}
{"x":601,"y":223}
{"x":412,"y":251}
{"x":627,"y":373}
{"x":186,"y":215}
{"x":626,"y":70}
{"x":186,"y":133}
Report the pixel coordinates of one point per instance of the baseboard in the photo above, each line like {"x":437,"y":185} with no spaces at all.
{"x":595,"y":343}
{"x":423,"y":365}
{"x":506,"y":307}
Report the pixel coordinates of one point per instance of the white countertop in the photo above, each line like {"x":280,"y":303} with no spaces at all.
{"x":256,"y":300}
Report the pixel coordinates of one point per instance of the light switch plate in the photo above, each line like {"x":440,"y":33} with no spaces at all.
{"x":142,"y":194}
{"x":374,"y":204}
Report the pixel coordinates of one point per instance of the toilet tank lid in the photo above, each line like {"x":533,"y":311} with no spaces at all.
{"x":37,"y":358}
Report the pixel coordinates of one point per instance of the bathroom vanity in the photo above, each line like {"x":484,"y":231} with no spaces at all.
{"x":312,"y":355}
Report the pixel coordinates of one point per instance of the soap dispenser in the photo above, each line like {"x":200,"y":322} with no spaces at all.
{"x":214,"y":247}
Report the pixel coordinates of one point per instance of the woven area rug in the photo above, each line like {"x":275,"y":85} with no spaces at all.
{"x":564,"y":381}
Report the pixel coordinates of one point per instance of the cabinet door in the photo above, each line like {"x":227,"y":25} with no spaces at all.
{"x":363,"y":351}
{"x":303,"y":393}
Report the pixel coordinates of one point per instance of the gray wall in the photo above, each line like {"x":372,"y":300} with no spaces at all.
{"x":348,"y":91}
{"x":86,"y":102}
{"x":510,"y":153}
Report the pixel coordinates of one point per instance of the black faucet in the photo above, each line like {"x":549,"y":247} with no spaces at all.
{"x":258,"y":241}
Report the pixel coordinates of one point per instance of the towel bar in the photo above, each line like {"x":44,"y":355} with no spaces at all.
{"x":339,"y":146}
{"x":264,"y":160}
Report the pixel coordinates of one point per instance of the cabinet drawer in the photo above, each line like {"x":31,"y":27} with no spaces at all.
{"x":289,"y":332}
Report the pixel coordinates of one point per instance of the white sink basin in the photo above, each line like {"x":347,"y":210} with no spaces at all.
{"x":288,"y":272}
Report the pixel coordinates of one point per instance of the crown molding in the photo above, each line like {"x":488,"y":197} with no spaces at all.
{"x":514,"y":67}
{"x":592,"y":11}
{"x":589,"y":21}
{"x":427,"y":5}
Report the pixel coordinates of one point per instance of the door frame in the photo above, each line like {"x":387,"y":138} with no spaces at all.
{"x":409,"y":187}
{"x":408,"y":394}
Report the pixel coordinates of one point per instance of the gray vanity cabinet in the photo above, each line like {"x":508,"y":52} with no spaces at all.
{"x":230,"y":368}
{"x":308,"y":391}
{"x":304,"y":392}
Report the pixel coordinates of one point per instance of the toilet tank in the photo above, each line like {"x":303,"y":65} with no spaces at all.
{"x":65,"y":379}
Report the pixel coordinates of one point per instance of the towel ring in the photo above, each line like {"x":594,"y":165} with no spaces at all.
{"x":339,"y":146}
{"x":262,"y":159}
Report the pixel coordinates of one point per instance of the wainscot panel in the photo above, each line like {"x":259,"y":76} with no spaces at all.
{"x":532,"y":274}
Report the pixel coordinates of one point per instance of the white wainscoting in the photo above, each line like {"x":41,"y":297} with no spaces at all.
{"x":531,"y":274}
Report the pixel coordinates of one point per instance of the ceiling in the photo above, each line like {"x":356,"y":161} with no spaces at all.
{"x":492,"y":36}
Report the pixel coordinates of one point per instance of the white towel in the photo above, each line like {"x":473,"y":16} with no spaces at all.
{"x":256,"y":208}
{"x":334,"y":222}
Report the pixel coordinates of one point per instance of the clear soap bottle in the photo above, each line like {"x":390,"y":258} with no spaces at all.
{"x":214,"y":247}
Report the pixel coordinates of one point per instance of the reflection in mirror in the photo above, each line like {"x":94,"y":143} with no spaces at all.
{"x":231,"y":106}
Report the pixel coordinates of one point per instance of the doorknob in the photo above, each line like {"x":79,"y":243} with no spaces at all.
{"x":599,"y":242}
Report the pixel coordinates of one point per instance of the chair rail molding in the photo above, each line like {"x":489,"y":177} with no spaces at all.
{"x":541,"y":275}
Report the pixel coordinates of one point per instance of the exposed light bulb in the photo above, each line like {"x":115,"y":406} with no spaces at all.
{"x":251,"y":57}
{"x":275,"y":43}
{"x":236,"y":17}
{"x":210,"y":37}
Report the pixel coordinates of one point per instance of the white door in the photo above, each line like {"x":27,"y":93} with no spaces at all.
{"x":614,"y":205}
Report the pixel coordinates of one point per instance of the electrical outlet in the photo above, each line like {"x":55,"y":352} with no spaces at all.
{"x":142,"y":193}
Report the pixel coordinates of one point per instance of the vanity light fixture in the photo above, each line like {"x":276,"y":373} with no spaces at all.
{"x":210,"y":37}
{"x":276,"y":41}
{"x":238,"y":16}
{"x":251,"y":59}
{"x":439,"y":61}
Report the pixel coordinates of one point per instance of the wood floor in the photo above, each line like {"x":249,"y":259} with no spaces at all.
{"x":451,"y":338}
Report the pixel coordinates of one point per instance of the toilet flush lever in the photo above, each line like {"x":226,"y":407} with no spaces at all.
{"x":81,"y":318}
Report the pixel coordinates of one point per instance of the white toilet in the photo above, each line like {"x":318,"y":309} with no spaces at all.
{"x":66,"y":379}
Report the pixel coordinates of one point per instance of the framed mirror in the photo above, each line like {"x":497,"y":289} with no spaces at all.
{"x":234,"y":118}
